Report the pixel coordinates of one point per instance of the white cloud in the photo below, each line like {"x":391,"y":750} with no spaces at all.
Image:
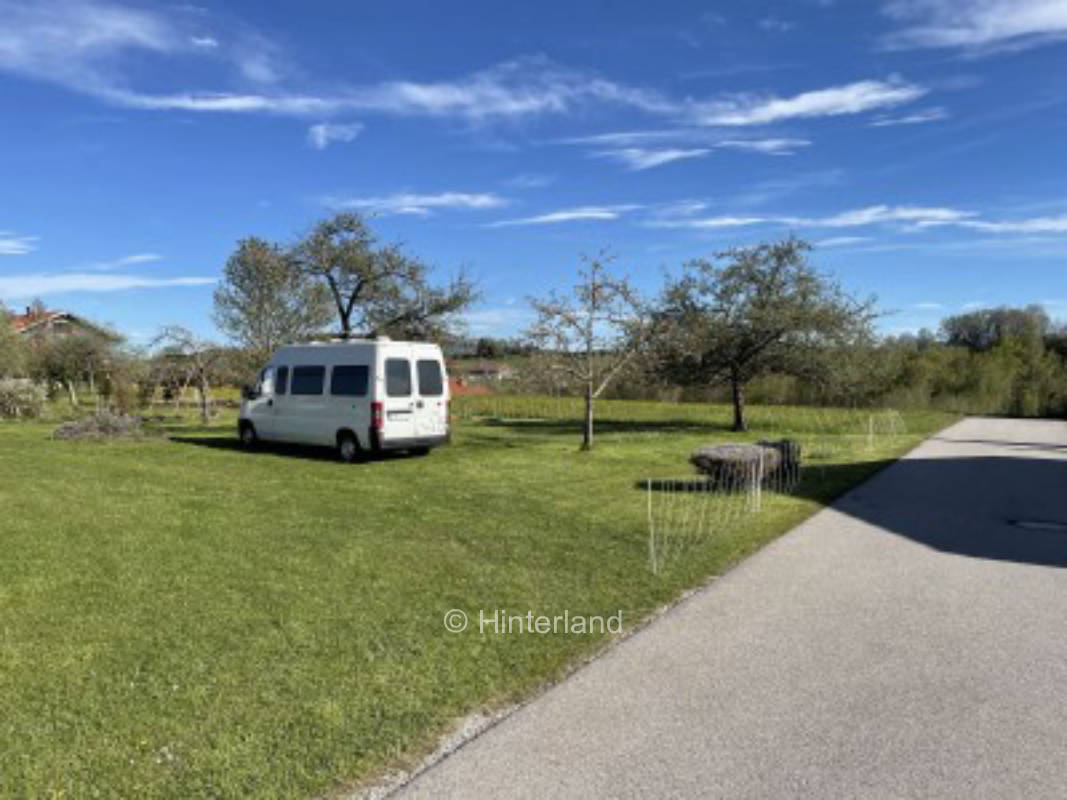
{"x":99,"y":49}
{"x":708,"y":222}
{"x":853,"y":98}
{"x":12,"y":244}
{"x":505,"y":321}
{"x":126,"y":261}
{"x":929,"y":306}
{"x":530,"y":180}
{"x":919,"y":117}
{"x":1034,"y":225}
{"x":854,"y":218}
{"x":39,"y":285}
{"x":842,"y":241}
{"x":776,"y":24}
{"x":422,"y":204}
{"x":920,"y":215}
{"x":639,"y":158}
{"x":976,"y":24}
{"x":321,"y":134}
{"x":771,"y":147}
{"x":582,"y":213}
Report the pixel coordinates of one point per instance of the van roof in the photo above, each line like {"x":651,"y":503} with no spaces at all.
{"x":349,"y":342}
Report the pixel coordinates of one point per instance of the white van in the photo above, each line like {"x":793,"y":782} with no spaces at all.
{"x":359,"y":395}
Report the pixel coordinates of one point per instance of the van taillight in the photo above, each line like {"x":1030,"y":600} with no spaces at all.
{"x":376,"y":415}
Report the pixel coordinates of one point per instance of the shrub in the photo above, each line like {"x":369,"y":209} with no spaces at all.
{"x":99,"y":425}
{"x":21,"y":398}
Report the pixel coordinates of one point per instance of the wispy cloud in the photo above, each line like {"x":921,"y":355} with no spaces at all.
{"x":98,"y":48}
{"x":976,"y":24}
{"x":126,"y":261}
{"x":1032,"y":225}
{"x":771,"y":147}
{"x":854,"y":218}
{"x":39,"y":285}
{"x":853,"y":98}
{"x":582,"y":213}
{"x":11,"y":244}
{"x":929,"y":306}
{"x":422,"y":204}
{"x":776,"y":24}
{"x":842,"y":241}
{"x":639,"y":158}
{"x":919,"y":117}
{"x":321,"y":134}
{"x":530,"y":180}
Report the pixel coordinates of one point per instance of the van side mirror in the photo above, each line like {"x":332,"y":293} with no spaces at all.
{"x":249,"y":392}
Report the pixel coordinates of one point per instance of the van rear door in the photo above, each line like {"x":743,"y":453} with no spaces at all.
{"x":399,"y":402}
{"x":431,"y":404}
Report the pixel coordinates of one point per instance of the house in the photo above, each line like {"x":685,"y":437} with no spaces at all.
{"x":41,"y":321}
{"x":489,"y":372}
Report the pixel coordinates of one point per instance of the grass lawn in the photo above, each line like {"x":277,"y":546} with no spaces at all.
{"x":179,"y":618}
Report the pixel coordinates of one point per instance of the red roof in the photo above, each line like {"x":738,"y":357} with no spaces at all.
{"x":23,"y":321}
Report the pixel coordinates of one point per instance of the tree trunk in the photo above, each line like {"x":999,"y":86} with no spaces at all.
{"x":587,"y":426}
{"x":737,"y":388}
{"x":205,"y":417}
{"x":73,"y":394}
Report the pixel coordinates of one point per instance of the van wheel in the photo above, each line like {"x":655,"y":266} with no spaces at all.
{"x":348,"y":448}
{"x":419,"y":451}
{"x":248,"y":436}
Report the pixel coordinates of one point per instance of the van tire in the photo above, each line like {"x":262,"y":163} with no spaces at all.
{"x":247,"y":434}
{"x":348,"y":449}
{"x":419,"y":451}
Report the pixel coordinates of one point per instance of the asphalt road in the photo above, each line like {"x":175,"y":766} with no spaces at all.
{"x":910,"y":641}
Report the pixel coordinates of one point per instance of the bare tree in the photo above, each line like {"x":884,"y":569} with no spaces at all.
{"x":589,"y":336}
{"x":198,"y":360}
{"x":378,"y":289}
{"x":264,"y":301}
{"x":766,"y":310}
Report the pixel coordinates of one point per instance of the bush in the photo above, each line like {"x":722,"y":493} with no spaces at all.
{"x":21,"y":398}
{"x":100,"y":425}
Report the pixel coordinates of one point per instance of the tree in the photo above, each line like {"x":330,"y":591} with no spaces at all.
{"x":198,"y":361}
{"x":766,"y":310}
{"x":591,"y":335}
{"x":378,"y":289}
{"x":985,"y":328}
{"x":264,"y":301}
{"x":12,"y":348}
{"x":67,"y":361}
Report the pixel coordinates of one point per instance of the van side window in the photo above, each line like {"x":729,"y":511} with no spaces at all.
{"x":349,"y":380}
{"x":430,"y":382}
{"x":397,"y":377}
{"x":281,"y":383}
{"x":308,"y":380}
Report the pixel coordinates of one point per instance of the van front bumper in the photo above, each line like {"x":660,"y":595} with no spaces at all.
{"x":378,"y":444}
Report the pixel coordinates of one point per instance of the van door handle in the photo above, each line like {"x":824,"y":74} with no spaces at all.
{"x":270,"y":402}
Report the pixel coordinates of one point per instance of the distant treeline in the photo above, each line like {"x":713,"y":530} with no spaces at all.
{"x":1009,"y":361}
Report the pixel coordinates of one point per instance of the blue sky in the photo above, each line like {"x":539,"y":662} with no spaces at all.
{"x":919,"y":143}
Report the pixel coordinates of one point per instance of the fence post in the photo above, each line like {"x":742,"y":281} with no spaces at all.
{"x":651,"y":529}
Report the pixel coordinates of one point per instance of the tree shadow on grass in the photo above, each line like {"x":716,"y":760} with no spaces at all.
{"x":605,"y":426}
{"x":1005,"y":508}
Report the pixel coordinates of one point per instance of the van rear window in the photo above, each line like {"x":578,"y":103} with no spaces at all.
{"x":349,"y":380}
{"x":308,"y":380}
{"x":430,"y":381}
{"x":397,"y":377}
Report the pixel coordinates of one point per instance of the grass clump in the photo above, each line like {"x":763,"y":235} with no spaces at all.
{"x":100,"y":425}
